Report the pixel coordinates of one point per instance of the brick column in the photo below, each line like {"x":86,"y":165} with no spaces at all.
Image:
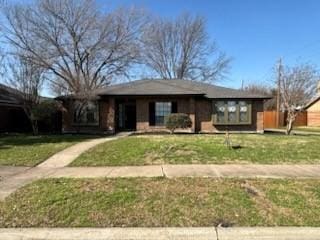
{"x":192,"y":114}
{"x":108,"y":116}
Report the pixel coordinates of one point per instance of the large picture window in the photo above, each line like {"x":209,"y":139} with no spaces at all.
{"x":232,"y":112}
{"x":162,"y":109}
{"x":86,"y":113}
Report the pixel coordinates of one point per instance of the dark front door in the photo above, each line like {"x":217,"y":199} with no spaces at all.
{"x":130,"y":117}
{"x":126,"y":115}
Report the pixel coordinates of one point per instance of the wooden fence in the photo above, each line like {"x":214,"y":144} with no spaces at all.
{"x":270,"y":119}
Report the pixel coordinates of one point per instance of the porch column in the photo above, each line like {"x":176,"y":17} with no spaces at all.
{"x":192,"y":115}
{"x":111,"y":116}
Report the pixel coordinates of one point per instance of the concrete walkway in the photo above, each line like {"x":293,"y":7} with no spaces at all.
{"x":66,"y":156}
{"x":8,"y":171}
{"x":12,"y":183}
{"x":204,"y":233}
{"x":173,"y":171}
{"x":14,"y":178}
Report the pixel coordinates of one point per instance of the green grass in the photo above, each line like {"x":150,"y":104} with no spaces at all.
{"x":307,"y":129}
{"x":155,"y":202}
{"x":26,"y":150}
{"x":203,"y":149}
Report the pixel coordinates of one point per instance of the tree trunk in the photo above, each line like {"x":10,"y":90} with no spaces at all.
{"x":35,"y":128}
{"x":289,"y":127}
{"x":290,"y":120}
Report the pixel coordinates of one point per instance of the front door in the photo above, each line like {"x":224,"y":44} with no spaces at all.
{"x":126,"y":114}
{"x":130,"y":117}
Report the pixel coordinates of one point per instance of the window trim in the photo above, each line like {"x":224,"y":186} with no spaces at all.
{"x":164,"y":117}
{"x":96,"y":124}
{"x":237,"y":122}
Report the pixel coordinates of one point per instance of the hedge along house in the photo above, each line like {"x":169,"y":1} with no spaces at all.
{"x":143,"y":105}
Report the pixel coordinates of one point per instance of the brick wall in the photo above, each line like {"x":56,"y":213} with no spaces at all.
{"x":142,"y":105}
{"x":313,"y":119}
{"x":199,"y":110}
{"x":314,"y":114}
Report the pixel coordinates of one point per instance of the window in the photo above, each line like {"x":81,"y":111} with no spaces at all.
{"x":232,"y":112}
{"x":162,"y":109}
{"x":86,"y":113}
{"x":220,"y":109}
{"x":243,"y":112}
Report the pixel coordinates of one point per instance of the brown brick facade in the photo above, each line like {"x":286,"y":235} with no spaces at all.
{"x":199,"y":109}
{"x":313,"y":119}
{"x":142,"y":106}
{"x":204,"y":122}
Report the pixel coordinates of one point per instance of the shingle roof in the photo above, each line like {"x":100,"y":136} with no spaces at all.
{"x":175,"y":87}
{"x":9,"y":95}
{"x":312,"y":101}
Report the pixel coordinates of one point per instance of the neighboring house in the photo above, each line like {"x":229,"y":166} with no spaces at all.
{"x":144,"y":104}
{"x":313,"y":112}
{"x":12,"y":116}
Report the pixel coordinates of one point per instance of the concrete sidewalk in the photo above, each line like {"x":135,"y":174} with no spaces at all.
{"x":209,"y":170}
{"x":15,"y":177}
{"x":12,"y":183}
{"x":66,"y":156}
{"x":201,"y":233}
{"x":8,"y":171}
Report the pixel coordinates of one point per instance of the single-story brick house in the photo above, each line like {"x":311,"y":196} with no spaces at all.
{"x":143,"y":105}
{"x":313,"y":112}
{"x":12,"y":115}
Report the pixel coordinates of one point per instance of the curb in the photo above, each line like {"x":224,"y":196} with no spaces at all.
{"x":197,"y":233}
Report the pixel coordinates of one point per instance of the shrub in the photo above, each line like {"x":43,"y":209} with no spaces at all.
{"x":178,"y":120}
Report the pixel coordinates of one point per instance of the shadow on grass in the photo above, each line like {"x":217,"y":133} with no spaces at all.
{"x":8,"y":141}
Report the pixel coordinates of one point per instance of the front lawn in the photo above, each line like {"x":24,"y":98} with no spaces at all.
{"x":203,"y":149}
{"x":27,"y":150}
{"x":160,"y":202}
{"x":307,"y":129}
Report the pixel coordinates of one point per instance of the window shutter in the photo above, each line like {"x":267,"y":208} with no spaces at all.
{"x":174,"y":107}
{"x":152,"y":115}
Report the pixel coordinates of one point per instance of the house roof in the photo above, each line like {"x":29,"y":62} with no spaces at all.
{"x":9,"y":96}
{"x":151,"y":87}
{"x":312,"y":101}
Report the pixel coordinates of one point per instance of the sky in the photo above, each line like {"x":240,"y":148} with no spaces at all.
{"x":254,"y":33}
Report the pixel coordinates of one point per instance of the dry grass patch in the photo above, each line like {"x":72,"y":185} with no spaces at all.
{"x":160,"y":202}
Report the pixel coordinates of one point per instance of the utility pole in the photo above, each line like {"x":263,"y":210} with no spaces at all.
{"x":279,"y":70}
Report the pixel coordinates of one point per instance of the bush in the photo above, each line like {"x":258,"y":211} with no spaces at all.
{"x":178,"y":120}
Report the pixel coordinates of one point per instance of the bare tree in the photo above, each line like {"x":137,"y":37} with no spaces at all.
{"x":82,"y":47}
{"x":297,"y":86}
{"x":2,"y":65}
{"x":266,"y":91}
{"x":27,"y":79}
{"x":181,"y":49}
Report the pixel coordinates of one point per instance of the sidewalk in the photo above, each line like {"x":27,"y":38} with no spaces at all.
{"x":12,"y":178}
{"x":11,"y":184}
{"x":209,"y":170}
{"x":201,"y":233}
